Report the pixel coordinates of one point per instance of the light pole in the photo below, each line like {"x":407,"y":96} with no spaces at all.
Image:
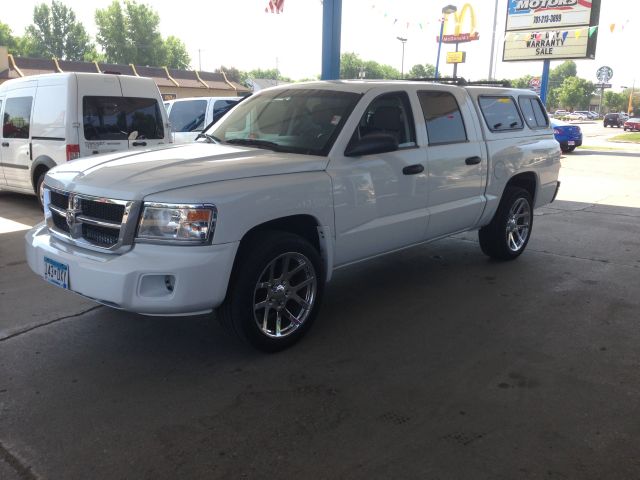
{"x":445,"y":11}
{"x":403,"y":40}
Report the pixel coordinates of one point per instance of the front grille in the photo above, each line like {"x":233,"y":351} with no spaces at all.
{"x":100,"y":236}
{"x":109,"y":212}
{"x":61,"y":223}
{"x":88,"y":221}
{"x":60,"y":200}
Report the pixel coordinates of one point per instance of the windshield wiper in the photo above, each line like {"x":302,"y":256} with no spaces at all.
{"x":255,"y":143}
{"x":210,"y":138}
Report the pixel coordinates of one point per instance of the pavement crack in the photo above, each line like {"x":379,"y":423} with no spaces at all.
{"x":24,"y":471}
{"x":55,"y":320}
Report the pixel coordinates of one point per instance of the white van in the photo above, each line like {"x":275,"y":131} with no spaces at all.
{"x":189,"y":116}
{"x":50,"y":119}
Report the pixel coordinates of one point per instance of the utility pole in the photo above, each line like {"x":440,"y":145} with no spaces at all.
{"x":493,"y":42}
{"x":199,"y":60}
{"x":403,"y":40}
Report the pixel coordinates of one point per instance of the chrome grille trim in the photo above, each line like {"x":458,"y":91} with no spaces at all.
{"x":76,"y":222}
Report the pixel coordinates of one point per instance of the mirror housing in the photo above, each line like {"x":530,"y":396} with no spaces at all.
{"x":372,"y":143}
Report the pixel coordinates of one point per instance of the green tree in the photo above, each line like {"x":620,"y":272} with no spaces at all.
{"x":615,"y":102}
{"x":131,"y":35}
{"x":575,"y":93}
{"x":233,"y":74}
{"x":422,"y":71}
{"x":6,"y":37}
{"x":55,"y":32}
{"x":351,"y":65}
{"x":522,"y":82}
{"x":177,"y":56}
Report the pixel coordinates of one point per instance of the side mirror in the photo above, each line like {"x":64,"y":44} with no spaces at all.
{"x":372,"y":143}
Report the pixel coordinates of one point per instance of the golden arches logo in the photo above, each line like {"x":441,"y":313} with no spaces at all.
{"x":459,"y":18}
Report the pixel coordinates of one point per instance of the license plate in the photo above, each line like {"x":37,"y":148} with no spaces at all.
{"x":571,"y":142}
{"x":56,"y":273}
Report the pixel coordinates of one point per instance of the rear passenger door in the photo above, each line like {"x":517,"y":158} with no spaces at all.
{"x":456,"y":160}
{"x":16,"y":148}
{"x":144,"y":114}
{"x":102,"y":126}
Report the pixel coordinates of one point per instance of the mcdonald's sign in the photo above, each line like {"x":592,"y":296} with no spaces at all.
{"x":460,"y":34}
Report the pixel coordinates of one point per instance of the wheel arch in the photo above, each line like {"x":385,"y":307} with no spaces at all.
{"x":526,"y":180}
{"x":304,"y":225}
{"x":41,"y":164}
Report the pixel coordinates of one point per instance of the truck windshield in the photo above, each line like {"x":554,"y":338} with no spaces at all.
{"x":303,"y":121}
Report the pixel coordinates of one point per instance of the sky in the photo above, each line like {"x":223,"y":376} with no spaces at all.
{"x":239,"y":33}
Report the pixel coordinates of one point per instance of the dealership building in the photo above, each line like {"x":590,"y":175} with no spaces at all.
{"x":172,"y":83}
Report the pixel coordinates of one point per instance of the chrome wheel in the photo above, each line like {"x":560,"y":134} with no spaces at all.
{"x":518,"y":224}
{"x":285,"y":294}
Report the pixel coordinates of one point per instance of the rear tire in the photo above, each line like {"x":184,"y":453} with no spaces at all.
{"x":506,"y":237}
{"x":275,"y":291}
{"x":569,"y":149}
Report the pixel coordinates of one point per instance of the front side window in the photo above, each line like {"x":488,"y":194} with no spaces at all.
{"x":500,"y":113}
{"x":17,"y":115}
{"x":389,"y":113}
{"x":121,"y":118}
{"x":188,"y":116}
{"x":293,"y":120}
{"x":442,"y":117}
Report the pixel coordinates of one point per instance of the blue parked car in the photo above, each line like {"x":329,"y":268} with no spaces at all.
{"x":568,"y":136}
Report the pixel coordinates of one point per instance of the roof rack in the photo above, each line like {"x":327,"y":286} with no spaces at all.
{"x":462,"y":82}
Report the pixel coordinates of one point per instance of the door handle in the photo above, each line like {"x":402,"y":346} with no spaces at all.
{"x":413,"y":169}
{"x":5,"y":144}
{"x":473,"y":160}
{"x":139,"y":144}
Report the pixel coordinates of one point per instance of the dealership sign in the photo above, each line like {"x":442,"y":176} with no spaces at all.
{"x":532,"y":14}
{"x":548,"y":44}
{"x":551,"y":29}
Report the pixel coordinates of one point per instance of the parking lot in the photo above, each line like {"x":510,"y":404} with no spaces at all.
{"x":432,"y":363}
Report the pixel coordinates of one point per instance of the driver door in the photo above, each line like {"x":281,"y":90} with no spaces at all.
{"x":380,"y":199}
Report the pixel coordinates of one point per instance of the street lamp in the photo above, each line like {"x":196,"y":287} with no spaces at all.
{"x":445,"y":11}
{"x":403,"y":40}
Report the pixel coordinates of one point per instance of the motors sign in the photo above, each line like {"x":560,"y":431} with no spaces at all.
{"x":551,"y":29}
{"x":531,"y":14}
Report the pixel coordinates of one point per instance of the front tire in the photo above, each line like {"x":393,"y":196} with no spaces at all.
{"x":275,"y":291}
{"x":39,"y":189}
{"x":506,"y":237}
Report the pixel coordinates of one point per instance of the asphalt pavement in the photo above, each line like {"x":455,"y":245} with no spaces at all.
{"x":432,"y":363}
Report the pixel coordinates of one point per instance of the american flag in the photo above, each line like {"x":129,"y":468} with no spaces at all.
{"x":275,"y":6}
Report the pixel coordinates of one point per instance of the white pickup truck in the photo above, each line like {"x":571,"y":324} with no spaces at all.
{"x":252,"y":219}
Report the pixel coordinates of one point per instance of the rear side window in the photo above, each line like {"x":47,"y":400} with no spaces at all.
{"x":17,"y":116}
{"x":188,"y":116}
{"x":116,"y":118}
{"x":500,"y":113}
{"x":533,"y":112}
{"x":442,"y":117}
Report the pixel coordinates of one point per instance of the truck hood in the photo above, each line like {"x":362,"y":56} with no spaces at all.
{"x":134,"y":175}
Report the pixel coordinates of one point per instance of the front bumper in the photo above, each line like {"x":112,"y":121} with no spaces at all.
{"x":136,"y":281}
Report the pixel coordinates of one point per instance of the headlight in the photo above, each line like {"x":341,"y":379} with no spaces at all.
{"x":182,"y":224}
